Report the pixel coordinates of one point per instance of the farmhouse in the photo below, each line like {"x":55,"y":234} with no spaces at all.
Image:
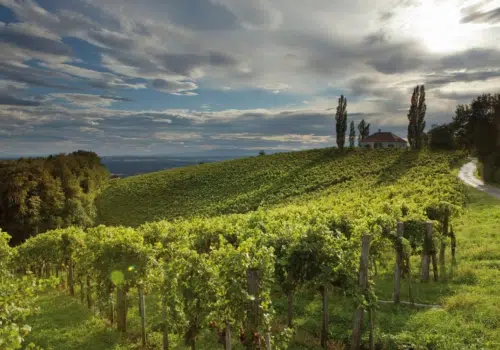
{"x":383,"y":140}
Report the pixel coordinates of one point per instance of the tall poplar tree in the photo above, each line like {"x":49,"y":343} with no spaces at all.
{"x":416,"y":117}
{"x":341,"y":119}
{"x":352,"y":135}
{"x":363,"y":130}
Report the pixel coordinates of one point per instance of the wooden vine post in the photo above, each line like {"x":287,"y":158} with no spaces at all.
{"x":142,"y":312}
{"x":324,"y":326}
{"x":121,"y":308}
{"x":426,"y":256}
{"x":442,"y":250}
{"x":89,"y":293}
{"x":71,"y":282}
{"x":399,"y":263}
{"x":227,"y":336}
{"x":453,"y":245}
{"x":268,"y":340}
{"x":165,"y":327}
{"x":111,"y":309}
{"x":82,"y":292}
{"x":253,"y":281}
{"x":363,"y":285}
{"x":429,"y":254}
{"x":432,"y":252}
{"x":290,"y":308}
{"x":408,"y":264}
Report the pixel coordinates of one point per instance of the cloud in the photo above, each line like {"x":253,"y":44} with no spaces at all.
{"x":87,"y":100}
{"x":177,"y":137}
{"x":67,"y":66}
{"x":11,"y":100}
{"x":174,"y":87}
{"x":28,"y":37}
{"x":476,"y":15}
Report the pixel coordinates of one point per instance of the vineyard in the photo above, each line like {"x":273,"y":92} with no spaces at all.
{"x":292,"y":250}
{"x":244,"y":185}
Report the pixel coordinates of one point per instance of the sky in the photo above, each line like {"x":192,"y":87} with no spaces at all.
{"x":166,"y":77}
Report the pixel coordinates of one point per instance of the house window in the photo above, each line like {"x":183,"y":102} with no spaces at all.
{"x":390,"y":145}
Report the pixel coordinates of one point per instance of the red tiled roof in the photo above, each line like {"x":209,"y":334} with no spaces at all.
{"x":383,"y":137}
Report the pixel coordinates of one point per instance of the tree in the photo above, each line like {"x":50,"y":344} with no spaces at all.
{"x":477,"y":129}
{"x":341,"y":119}
{"x":352,"y":135}
{"x":262,"y":152}
{"x":441,"y":137}
{"x":416,"y":116}
{"x":364,"y":130}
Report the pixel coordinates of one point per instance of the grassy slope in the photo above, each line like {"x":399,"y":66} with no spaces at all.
{"x":63,"y":323}
{"x":215,"y":188}
{"x":243,"y":185}
{"x":470,"y":318}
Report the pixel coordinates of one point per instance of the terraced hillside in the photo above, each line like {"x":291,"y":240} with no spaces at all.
{"x":243,"y":185}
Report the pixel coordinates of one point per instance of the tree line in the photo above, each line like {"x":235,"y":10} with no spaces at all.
{"x":39,"y":194}
{"x":474,"y":128}
{"x":341,"y":126}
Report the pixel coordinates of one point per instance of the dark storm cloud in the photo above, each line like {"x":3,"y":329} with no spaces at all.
{"x":11,"y":34}
{"x":33,"y":76}
{"x":14,"y":101}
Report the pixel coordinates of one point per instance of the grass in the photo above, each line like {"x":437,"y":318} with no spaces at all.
{"x":468,"y":293}
{"x":243,"y":185}
{"x":63,"y":323}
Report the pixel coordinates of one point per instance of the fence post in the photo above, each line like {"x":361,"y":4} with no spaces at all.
{"x":363,"y":284}
{"x":399,"y":262}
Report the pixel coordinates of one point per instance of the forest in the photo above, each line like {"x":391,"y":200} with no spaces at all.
{"x":39,"y":194}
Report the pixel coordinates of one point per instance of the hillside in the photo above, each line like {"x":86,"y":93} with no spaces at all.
{"x":320,"y":207}
{"x":243,"y":185}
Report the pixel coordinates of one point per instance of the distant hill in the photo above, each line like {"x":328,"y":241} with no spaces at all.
{"x":124,"y":166}
{"x":242,"y":185}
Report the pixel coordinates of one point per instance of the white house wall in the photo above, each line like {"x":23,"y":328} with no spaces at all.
{"x":384,"y":144}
